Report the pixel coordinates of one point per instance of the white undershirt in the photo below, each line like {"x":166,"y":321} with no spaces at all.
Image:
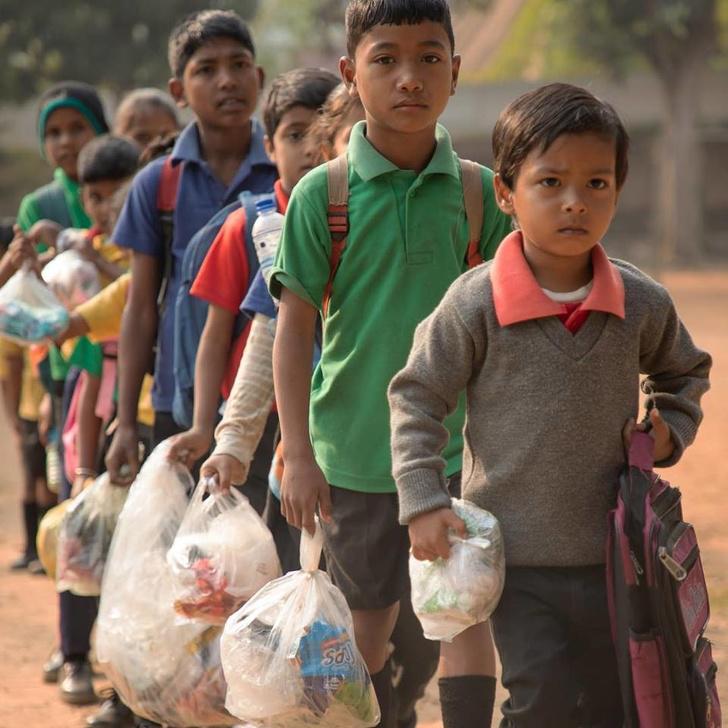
{"x":570,"y":296}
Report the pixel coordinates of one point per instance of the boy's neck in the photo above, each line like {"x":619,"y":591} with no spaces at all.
{"x":406,"y":151}
{"x":559,"y":274}
{"x":225,"y":149}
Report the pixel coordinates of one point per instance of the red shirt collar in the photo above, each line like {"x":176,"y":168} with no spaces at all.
{"x":282,"y":197}
{"x":518,"y":297}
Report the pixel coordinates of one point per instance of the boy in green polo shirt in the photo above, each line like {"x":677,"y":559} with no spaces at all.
{"x":406,"y":244}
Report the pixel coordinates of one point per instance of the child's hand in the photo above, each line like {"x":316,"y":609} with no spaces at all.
{"x":225,"y":469}
{"x":45,"y":231}
{"x":188,"y":447}
{"x":302,"y":489}
{"x":660,"y":432}
{"x":21,"y":248}
{"x":122,"y":459}
{"x":77,"y":326}
{"x":429,"y":531}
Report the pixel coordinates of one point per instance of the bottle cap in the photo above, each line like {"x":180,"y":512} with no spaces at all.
{"x":265,"y":204}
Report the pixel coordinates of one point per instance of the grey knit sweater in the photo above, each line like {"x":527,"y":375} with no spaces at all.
{"x":546,"y":408}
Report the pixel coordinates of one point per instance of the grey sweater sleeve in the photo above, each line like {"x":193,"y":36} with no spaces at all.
{"x":421,"y":396}
{"x":677,"y":374}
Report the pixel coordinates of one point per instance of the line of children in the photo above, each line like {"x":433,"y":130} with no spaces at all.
{"x":546,"y":316}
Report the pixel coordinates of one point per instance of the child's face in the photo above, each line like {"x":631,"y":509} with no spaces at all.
{"x":290,"y":149}
{"x":565,"y":197}
{"x":98,"y":200}
{"x":220,"y":84}
{"x":404,"y":76}
{"x":66,"y":133}
{"x":145,"y":124}
{"x":341,"y":138}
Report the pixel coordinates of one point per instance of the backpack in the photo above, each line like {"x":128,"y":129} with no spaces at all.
{"x":191,"y":312}
{"x":658,"y":603}
{"x":337,"y":215}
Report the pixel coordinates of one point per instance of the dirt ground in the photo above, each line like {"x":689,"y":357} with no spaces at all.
{"x":28,"y":604}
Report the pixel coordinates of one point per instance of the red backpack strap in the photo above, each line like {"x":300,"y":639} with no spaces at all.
{"x":166,"y":204}
{"x":337,"y":215}
{"x":473,"y":197}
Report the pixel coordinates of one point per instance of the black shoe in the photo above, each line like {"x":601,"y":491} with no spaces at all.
{"x":52,"y":667}
{"x":113,"y":713}
{"x":36,"y":568}
{"x":76,"y":686}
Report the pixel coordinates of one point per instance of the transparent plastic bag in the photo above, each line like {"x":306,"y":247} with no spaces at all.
{"x":223,"y":553}
{"x":164,"y":671}
{"x":46,"y":542}
{"x":72,"y":278}
{"x":85,"y":537}
{"x":289,"y":655}
{"x":29,"y":311}
{"x":448,"y":596}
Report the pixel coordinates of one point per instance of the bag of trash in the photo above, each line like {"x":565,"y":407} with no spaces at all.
{"x":46,"y":541}
{"x":289,"y":655}
{"x":448,"y":596}
{"x":85,"y":537}
{"x":29,"y":311}
{"x":72,"y":278}
{"x":166,"y":672}
{"x":223,"y":554}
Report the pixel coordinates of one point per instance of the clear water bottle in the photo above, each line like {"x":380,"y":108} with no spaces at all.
{"x":267,"y":233}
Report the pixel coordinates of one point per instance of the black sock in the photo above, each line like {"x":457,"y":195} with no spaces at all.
{"x":467,"y":701}
{"x":30,"y":520}
{"x":382,"y":682}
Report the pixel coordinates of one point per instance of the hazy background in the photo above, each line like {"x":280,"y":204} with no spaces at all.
{"x":662,"y":63}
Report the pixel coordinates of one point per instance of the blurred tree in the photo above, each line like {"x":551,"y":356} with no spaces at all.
{"x":676,"y":38}
{"x":114,"y":44}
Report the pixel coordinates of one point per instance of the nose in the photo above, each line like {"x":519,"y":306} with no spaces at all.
{"x":227,"y":78}
{"x":409,"y":81}
{"x":573,"y":204}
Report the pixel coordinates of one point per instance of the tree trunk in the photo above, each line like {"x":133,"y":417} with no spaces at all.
{"x":680,"y":183}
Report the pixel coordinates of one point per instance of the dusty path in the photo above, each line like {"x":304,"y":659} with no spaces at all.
{"x":28,"y":604}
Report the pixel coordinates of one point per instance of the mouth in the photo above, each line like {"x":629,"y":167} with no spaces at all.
{"x":232,"y":104}
{"x":573,"y":230}
{"x":411,"y":105}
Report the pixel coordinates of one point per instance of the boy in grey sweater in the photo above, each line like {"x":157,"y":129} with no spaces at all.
{"x":549,"y":342}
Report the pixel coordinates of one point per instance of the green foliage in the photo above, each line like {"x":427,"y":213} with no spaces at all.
{"x":113,"y":43}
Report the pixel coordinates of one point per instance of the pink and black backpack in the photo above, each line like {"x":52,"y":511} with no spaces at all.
{"x":658,"y":603}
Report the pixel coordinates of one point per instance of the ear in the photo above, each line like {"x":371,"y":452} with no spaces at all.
{"x":455,"y":73}
{"x":177,"y":92}
{"x":347,"y":69}
{"x":503,"y":195}
{"x":270,"y":150}
{"x":261,"y":76}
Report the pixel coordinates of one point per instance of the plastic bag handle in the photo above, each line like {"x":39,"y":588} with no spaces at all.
{"x":311,"y":548}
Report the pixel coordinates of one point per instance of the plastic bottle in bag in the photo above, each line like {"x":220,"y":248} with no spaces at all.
{"x":448,"y":596}
{"x":266,"y":233}
{"x":289,"y":654}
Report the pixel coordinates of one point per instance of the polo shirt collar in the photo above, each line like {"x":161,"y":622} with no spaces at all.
{"x":517,"y":296}
{"x":187,"y":148}
{"x":368,"y":163}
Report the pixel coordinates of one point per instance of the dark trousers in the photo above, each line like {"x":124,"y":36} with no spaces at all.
{"x":76,"y":614}
{"x":552,"y":632}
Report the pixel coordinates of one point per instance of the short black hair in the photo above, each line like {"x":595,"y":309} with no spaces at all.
{"x":200,"y":28}
{"x":107,"y":158}
{"x":307,"y":87}
{"x":363,"y":15}
{"x":537,"y":118}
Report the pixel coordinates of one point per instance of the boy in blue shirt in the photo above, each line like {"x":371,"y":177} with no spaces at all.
{"x":221,"y":153}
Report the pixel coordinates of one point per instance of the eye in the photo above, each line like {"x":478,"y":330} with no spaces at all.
{"x":204,"y":70}
{"x":431,"y":58}
{"x":549,"y":182}
{"x":598,"y":184}
{"x":384,"y":60}
{"x":296,"y":136}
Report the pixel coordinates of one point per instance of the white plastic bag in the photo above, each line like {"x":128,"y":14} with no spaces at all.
{"x":85,"y":537}
{"x":164,"y":671}
{"x":29,"y":312}
{"x":448,"y":596}
{"x":72,"y":278}
{"x":223,"y":553}
{"x":289,"y":655}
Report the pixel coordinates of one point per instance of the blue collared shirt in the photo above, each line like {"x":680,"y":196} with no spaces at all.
{"x":200,"y":195}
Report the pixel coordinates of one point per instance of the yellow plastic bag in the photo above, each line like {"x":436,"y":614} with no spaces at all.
{"x":46,"y":541}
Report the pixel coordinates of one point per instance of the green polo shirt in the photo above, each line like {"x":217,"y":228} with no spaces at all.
{"x":407,"y":243}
